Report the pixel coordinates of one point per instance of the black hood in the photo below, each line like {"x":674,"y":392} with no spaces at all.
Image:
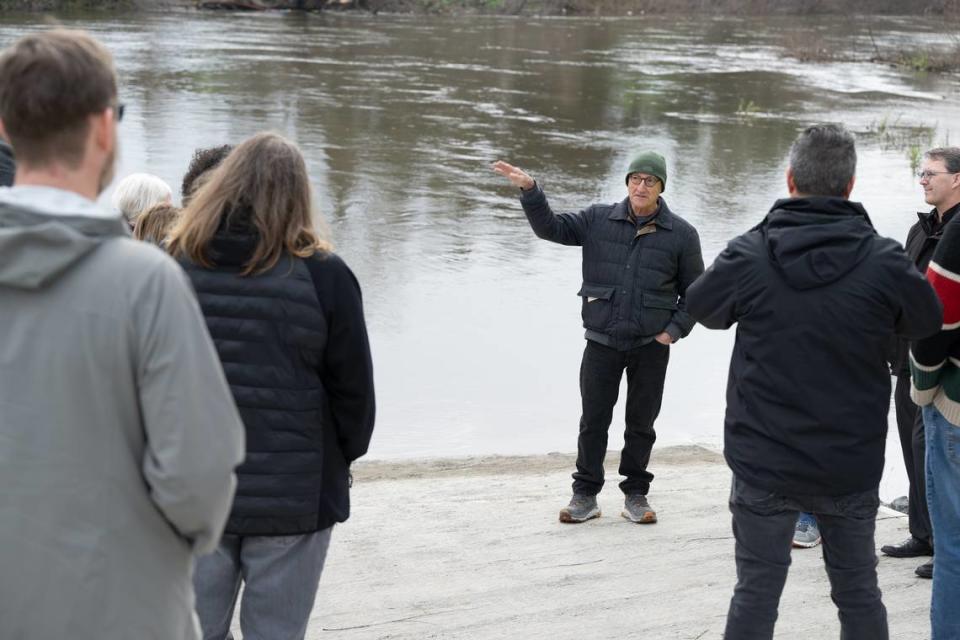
{"x":816,"y":240}
{"x":235,"y":240}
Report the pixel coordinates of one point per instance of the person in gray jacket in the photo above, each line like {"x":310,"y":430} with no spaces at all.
{"x":118,"y":433}
{"x":638,"y":259}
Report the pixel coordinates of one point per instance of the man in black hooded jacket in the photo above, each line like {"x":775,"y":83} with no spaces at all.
{"x":817,"y":295}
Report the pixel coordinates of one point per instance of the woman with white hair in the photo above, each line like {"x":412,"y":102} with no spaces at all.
{"x":138,"y":192}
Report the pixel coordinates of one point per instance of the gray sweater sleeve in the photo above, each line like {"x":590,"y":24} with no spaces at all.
{"x":194,"y":436}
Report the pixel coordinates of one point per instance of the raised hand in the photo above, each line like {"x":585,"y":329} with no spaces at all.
{"x":517,"y":176}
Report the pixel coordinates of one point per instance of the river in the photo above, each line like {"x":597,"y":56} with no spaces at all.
{"x":474,"y":322}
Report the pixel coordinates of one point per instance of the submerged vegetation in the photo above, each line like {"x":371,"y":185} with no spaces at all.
{"x":807,"y":45}
{"x":911,"y":140}
{"x":937,"y":60}
{"x":747,"y":108}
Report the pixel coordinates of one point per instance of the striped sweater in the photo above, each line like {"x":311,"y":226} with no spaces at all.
{"x":935,"y":361}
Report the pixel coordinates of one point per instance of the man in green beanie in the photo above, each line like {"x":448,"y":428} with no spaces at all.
{"x":638,"y":260}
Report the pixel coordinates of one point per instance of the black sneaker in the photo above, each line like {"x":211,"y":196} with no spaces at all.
{"x":909,"y":548}
{"x":581,"y":508}
{"x":637,"y":509}
{"x":925,"y":570}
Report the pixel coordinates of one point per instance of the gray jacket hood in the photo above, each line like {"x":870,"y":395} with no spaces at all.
{"x":37,"y":247}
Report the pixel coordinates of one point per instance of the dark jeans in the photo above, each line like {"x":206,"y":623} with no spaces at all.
{"x":600,"y":372}
{"x":763,"y":524}
{"x":913,"y":444}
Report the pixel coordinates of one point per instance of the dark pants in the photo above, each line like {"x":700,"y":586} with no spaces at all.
{"x":600,"y":373}
{"x":763,"y":524}
{"x":913,"y":444}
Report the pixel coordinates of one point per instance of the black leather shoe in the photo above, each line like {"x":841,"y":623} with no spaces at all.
{"x":925,"y":570}
{"x":909,"y":548}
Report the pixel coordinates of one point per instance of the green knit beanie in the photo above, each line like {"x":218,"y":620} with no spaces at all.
{"x":651,"y":163}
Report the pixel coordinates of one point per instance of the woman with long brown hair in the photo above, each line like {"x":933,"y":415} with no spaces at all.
{"x":286,"y":316}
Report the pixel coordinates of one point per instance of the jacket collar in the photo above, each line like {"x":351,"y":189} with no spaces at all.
{"x":928,"y":220}
{"x":816,"y":205}
{"x":663,"y":217}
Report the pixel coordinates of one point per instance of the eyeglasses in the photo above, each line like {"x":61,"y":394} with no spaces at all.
{"x":926,"y":175}
{"x":118,"y":111}
{"x":650,"y":181}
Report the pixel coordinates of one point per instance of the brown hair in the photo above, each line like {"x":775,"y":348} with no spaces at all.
{"x":950,"y":156}
{"x":153,"y":224}
{"x":50,"y":83}
{"x":263,"y":185}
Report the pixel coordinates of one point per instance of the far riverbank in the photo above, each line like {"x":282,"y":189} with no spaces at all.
{"x":947,"y":8}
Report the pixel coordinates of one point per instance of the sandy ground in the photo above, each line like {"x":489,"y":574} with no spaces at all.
{"x":472,"y":549}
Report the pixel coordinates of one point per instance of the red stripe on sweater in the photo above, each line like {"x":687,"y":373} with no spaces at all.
{"x":947,"y":285}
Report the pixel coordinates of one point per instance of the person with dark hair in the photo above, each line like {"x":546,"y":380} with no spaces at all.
{"x":287,"y":318}
{"x":119,"y":435}
{"x":940,"y":178}
{"x":8,"y":167}
{"x":936,"y":389}
{"x":638,"y":259}
{"x":203,"y":162}
{"x":817,"y":296}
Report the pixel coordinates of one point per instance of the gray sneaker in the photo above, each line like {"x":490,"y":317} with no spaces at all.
{"x":581,"y":508}
{"x":637,"y":509}
{"x":806,"y":535}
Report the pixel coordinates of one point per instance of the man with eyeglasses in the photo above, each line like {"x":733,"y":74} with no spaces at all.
{"x":940,"y":178}
{"x":118,"y":433}
{"x":935,"y":369}
{"x":638,"y":260}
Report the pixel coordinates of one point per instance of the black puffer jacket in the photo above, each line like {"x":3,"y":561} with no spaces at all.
{"x":294,"y":349}
{"x":634,"y":281}
{"x":817,"y":295}
{"x":922,"y":241}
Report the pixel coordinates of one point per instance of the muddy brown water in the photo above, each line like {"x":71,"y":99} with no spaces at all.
{"x":474,"y":322}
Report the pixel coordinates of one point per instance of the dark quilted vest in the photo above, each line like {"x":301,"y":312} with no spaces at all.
{"x":630,"y":286}
{"x":270,"y":332}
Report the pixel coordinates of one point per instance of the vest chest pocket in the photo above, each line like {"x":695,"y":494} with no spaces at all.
{"x":658,"y":309}
{"x":597,"y":306}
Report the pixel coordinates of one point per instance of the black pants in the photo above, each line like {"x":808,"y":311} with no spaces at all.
{"x":763,"y":525}
{"x":600,"y":372}
{"x":913,"y":444}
